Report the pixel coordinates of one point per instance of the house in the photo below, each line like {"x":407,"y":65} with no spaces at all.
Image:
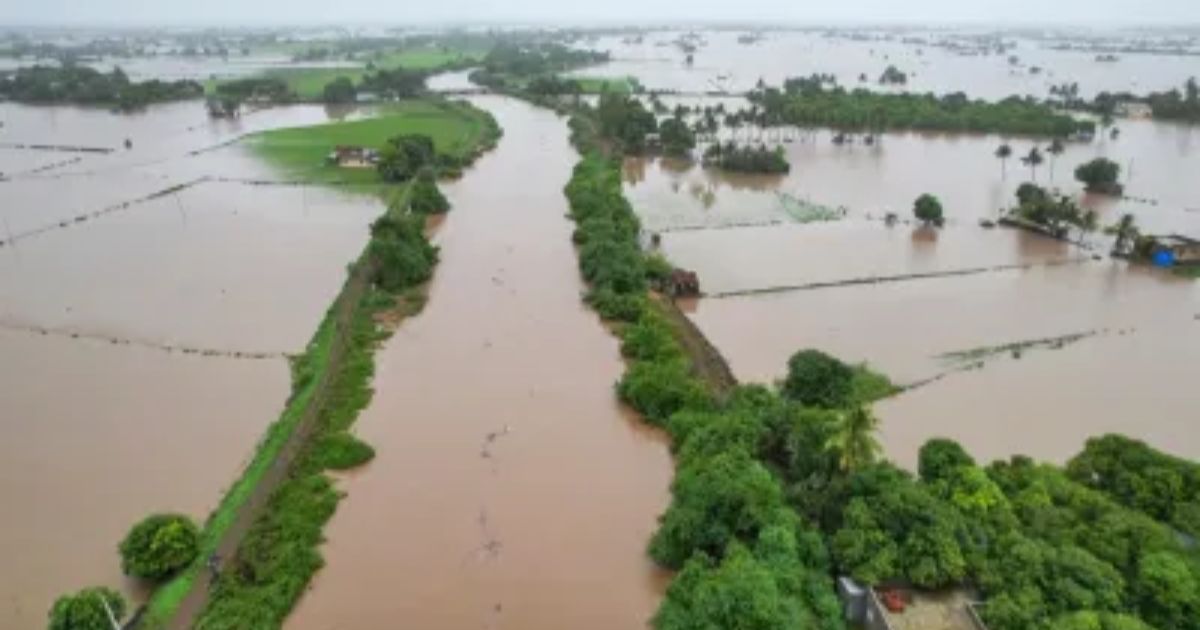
{"x":353,"y":157}
{"x":1175,"y":249}
{"x":683,"y":283}
{"x":1132,"y":109}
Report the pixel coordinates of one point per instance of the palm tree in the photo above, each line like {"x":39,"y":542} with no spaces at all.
{"x":1055,"y":149}
{"x":854,"y":440}
{"x":1004,"y":152}
{"x":1126,"y":232}
{"x":1033,"y":160}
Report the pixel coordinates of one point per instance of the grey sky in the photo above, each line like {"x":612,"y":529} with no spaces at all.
{"x":259,"y":12}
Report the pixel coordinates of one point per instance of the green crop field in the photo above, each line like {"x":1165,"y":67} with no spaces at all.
{"x":456,"y":129}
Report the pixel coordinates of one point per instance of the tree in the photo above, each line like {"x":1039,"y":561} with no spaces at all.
{"x":1126,"y":232}
{"x":339,"y":90}
{"x":404,"y":156}
{"x":1003,"y":152}
{"x":928,"y":210}
{"x":1055,"y":149}
{"x":1033,"y":160}
{"x":1167,"y":591}
{"x":1100,"y":176}
{"x":677,"y":139}
{"x":863,"y":548}
{"x":85,"y":610}
{"x":854,"y":439}
{"x":940,"y":457}
{"x":426,"y":198}
{"x":160,"y":545}
{"x":816,"y":379}
{"x":738,"y":592}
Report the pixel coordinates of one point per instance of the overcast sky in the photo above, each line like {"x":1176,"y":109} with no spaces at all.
{"x":260,"y":12}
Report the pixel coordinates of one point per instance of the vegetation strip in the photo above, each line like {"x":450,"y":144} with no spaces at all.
{"x":897,"y":278}
{"x":140,"y":343}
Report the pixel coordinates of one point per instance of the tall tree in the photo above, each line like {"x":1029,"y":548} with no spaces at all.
{"x":1004,"y":152}
{"x":1033,"y":160}
{"x":1055,"y":149}
{"x":854,"y":439}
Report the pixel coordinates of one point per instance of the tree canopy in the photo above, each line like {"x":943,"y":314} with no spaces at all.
{"x":84,"y":610}
{"x":928,"y":209}
{"x":160,"y":545}
{"x":1100,"y":176}
{"x":817,"y":379}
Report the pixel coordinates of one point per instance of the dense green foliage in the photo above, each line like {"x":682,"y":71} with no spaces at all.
{"x":339,"y":90}
{"x":1176,"y":105}
{"x":676,"y":137}
{"x":159,"y":545}
{"x":533,"y":67}
{"x":403,"y":156}
{"x":816,"y":379}
{"x":1135,"y":475}
{"x":928,"y":210}
{"x":88,"y":86}
{"x":1100,"y":176}
{"x":1057,"y":214}
{"x":625,"y":122}
{"x":813,"y":103}
{"x":394,"y":83}
{"x":426,"y":199}
{"x":400,"y":254}
{"x":265,"y":89}
{"x":746,"y":159}
{"x":85,"y":610}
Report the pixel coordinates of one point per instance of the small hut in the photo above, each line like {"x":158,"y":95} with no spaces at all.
{"x":683,"y":283}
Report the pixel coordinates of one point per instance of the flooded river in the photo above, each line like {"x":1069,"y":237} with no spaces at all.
{"x":142,"y":337}
{"x":510,"y":490}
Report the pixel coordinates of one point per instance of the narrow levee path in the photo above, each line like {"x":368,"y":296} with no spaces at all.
{"x":509,"y":488}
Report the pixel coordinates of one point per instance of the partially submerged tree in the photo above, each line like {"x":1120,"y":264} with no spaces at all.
{"x":85,"y":610}
{"x":1100,"y":176}
{"x":928,"y":210}
{"x":816,"y":379}
{"x":339,"y":90}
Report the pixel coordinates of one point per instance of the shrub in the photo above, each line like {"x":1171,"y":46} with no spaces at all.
{"x":928,"y":209}
{"x":940,"y":457}
{"x":159,"y":546}
{"x":1100,"y":176}
{"x":649,"y":339}
{"x":818,"y":380}
{"x":342,"y":451}
{"x":404,"y":156}
{"x":426,"y":198}
{"x":658,"y":389}
{"x":85,"y":610}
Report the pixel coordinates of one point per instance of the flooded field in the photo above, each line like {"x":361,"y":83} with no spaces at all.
{"x":509,"y":488}
{"x":722,"y":63}
{"x":146,"y":305}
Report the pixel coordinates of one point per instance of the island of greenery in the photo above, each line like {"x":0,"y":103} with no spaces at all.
{"x":82,"y":85}
{"x":813,"y":102}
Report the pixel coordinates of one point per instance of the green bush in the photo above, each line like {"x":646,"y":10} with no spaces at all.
{"x":85,"y":610}
{"x":341,"y":451}
{"x":401,"y":255}
{"x":818,"y":380}
{"x":940,"y":457}
{"x":657,"y":389}
{"x":159,"y":546}
{"x":426,"y":199}
{"x":928,"y":209}
{"x":649,"y":339}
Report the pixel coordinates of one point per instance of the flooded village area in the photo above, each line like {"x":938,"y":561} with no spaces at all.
{"x":162,"y":284}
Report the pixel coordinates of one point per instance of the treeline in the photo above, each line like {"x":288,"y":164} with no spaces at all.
{"x":1057,"y":214}
{"x":87,"y":86}
{"x":812,"y":103}
{"x":517,"y":65}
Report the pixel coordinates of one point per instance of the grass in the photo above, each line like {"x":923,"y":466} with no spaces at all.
{"x":309,"y":83}
{"x":456,"y":130}
{"x":596,"y":85}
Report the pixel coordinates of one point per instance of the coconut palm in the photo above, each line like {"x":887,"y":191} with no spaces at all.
{"x":1033,"y":160}
{"x":1004,"y":152}
{"x":1126,"y":232}
{"x":1055,"y":149}
{"x":854,"y":439}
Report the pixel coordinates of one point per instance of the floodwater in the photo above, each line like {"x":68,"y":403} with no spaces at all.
{"x":721,"y":63}
{"x":122,"y":320}
{"x":510,"y":489}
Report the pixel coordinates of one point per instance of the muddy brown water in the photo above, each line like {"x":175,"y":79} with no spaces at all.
{"x":722,"y":63}
{"x":96,"y":433}
{"x":509,"y":488}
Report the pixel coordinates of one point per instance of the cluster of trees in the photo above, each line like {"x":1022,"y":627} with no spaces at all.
{"x":516,"y":64}
{"x":1177,"y":105}
{"x":402,"y":157}
{"x":1142,"y":478}
{"x":625,"y":121}
{"x":339,"y":90}
{"x":811,"y":103}
{"x":677,"y":137}
{"x":893,"y":76}
{"x":84,"y":85}
{"x":261,"y":89}
{"x":746,"y":159}
{"x":1100,"y":176}
{"x":155,"y":549}
{"x":426,"y":199}
{"x":1055,"y":212}
{"x":399,"y":254}
{"x":395,"y":83}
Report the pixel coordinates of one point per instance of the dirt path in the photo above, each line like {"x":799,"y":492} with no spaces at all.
{"x":344,"y":310}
